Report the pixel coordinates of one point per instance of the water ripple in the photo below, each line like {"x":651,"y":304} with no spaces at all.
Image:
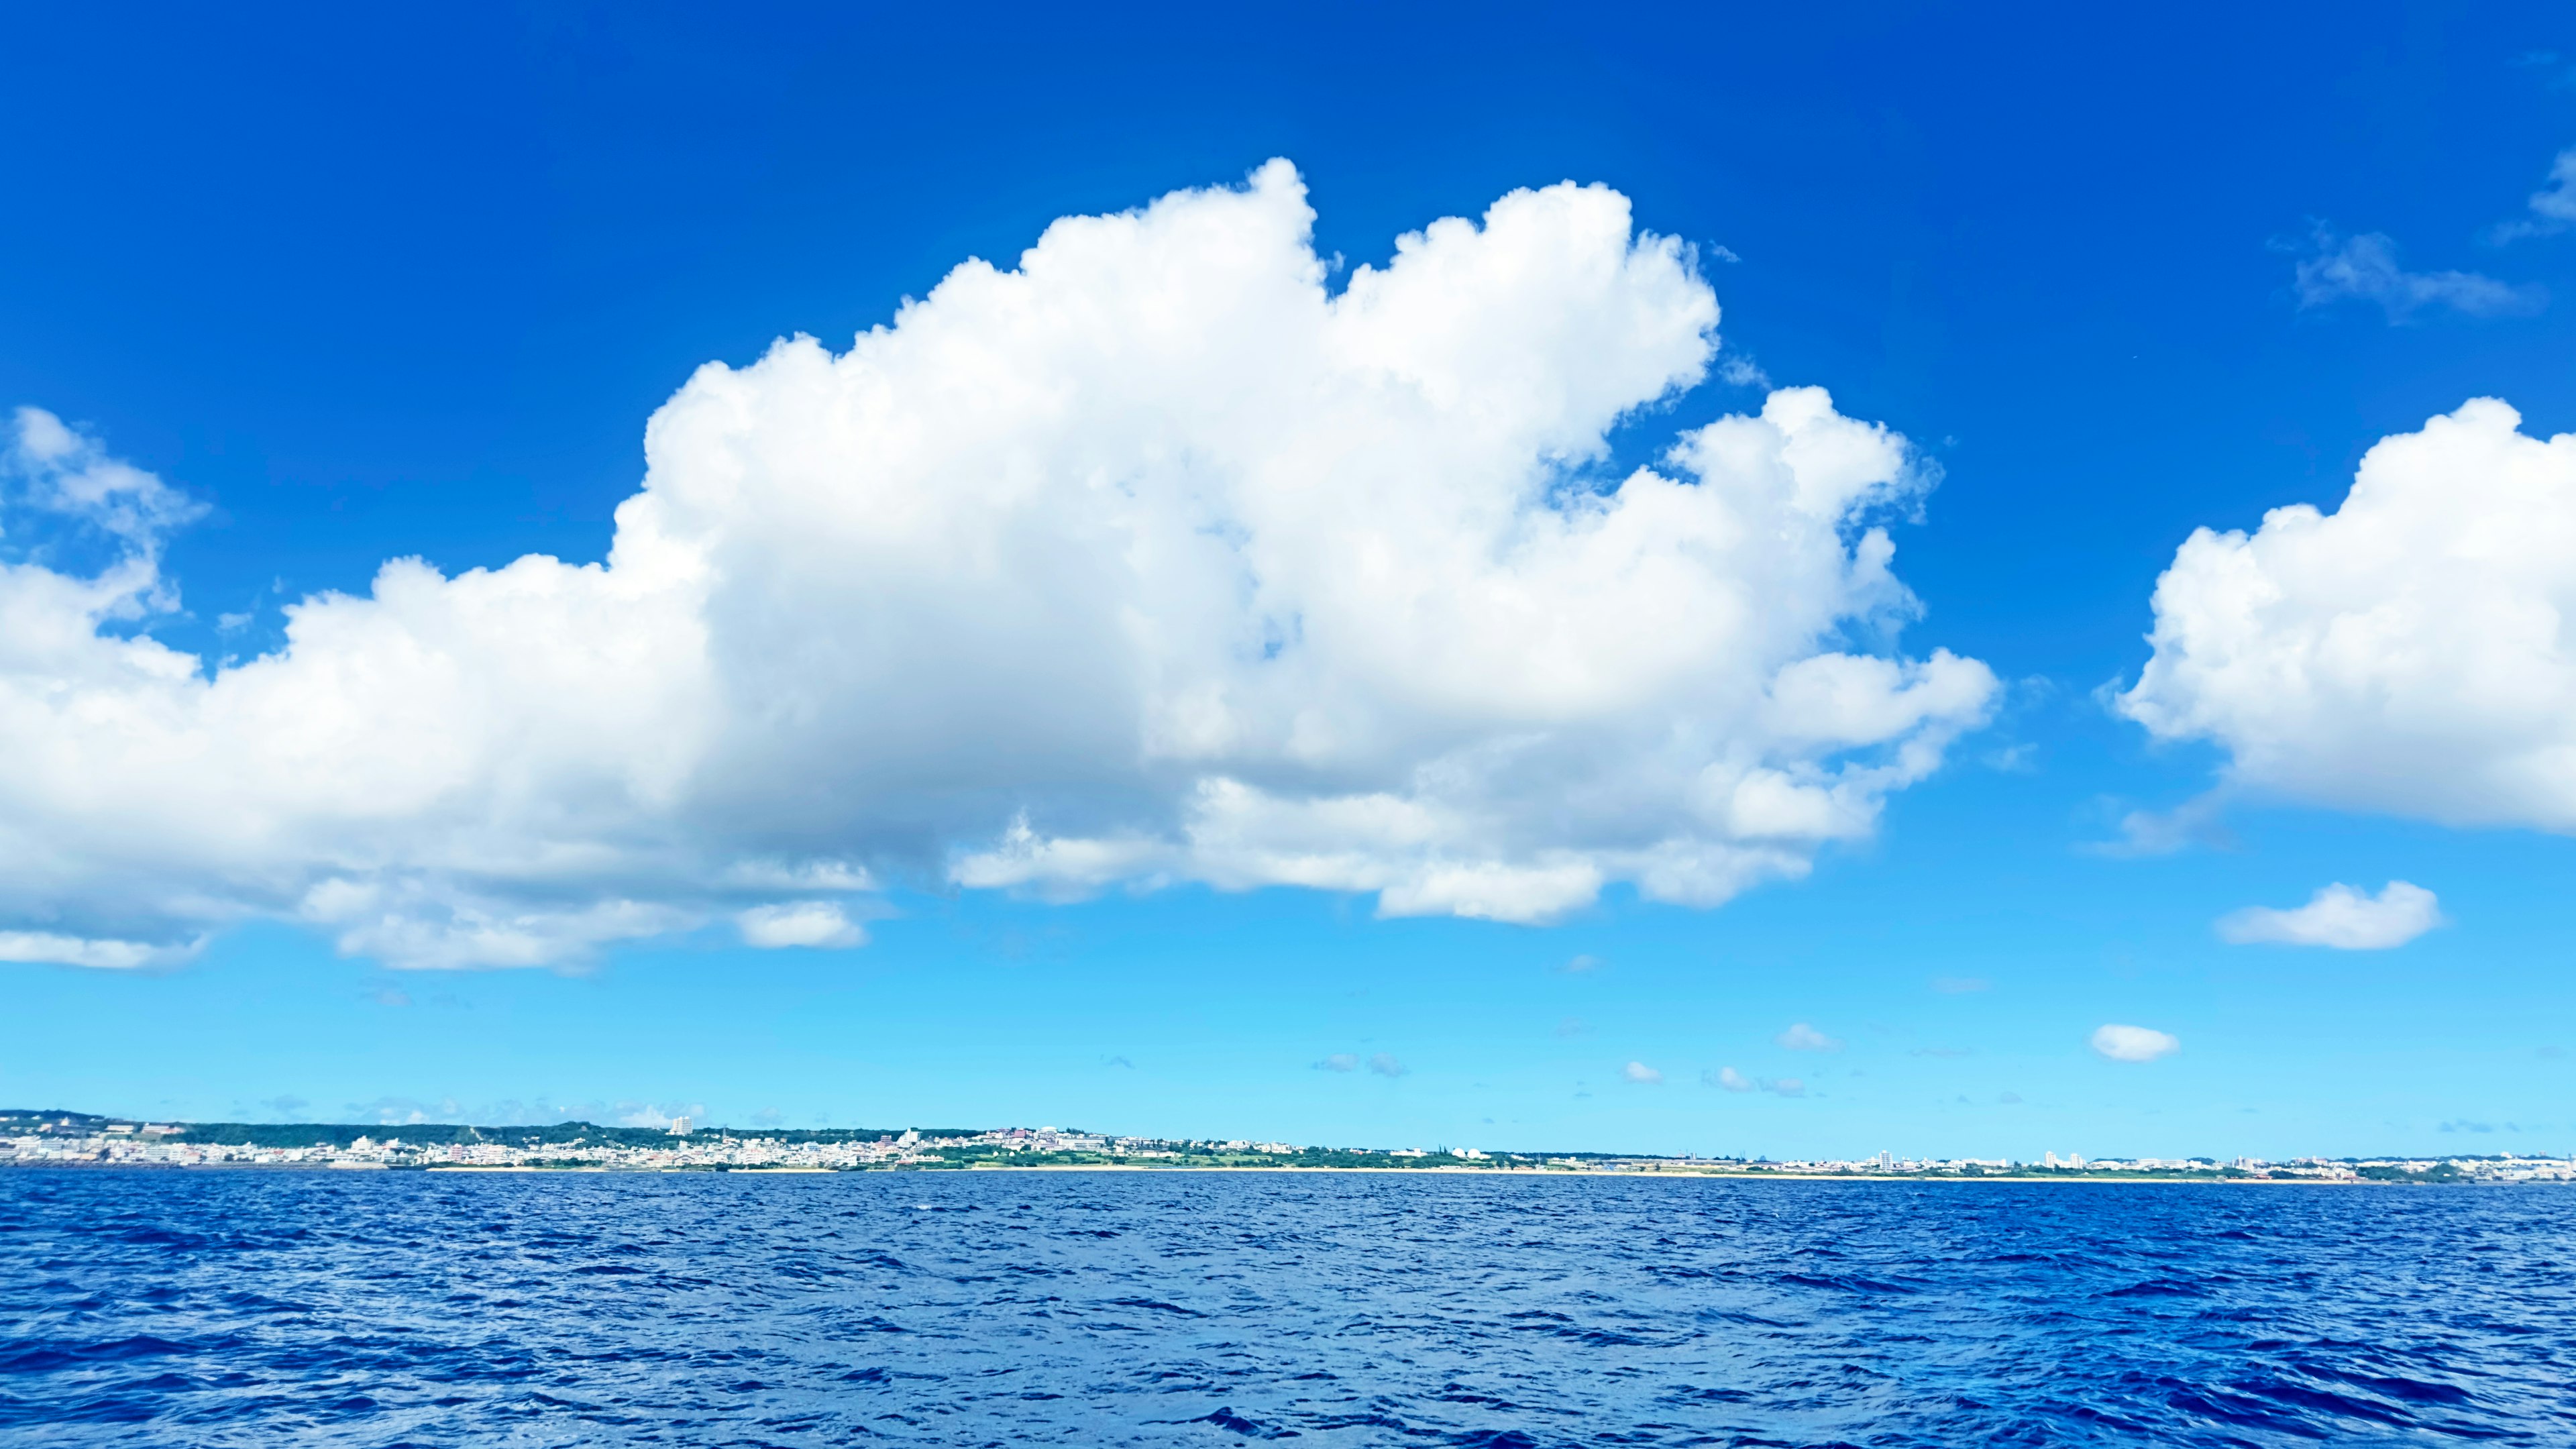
{"x":258,"y":1308}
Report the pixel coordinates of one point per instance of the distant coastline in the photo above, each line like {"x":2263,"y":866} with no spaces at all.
{"x":56,"y":1138}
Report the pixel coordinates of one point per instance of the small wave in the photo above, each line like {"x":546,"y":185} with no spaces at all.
{"x":1156,"y":1305}
{"x":1234,"y":1423}
{"x":2160,"y":1288}
{"x":2414,"y":1391}
{"x":1845,"y":1282}
{"x":41,"y":1356}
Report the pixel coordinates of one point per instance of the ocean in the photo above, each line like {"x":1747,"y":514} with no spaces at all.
{"x":277,"y":1308}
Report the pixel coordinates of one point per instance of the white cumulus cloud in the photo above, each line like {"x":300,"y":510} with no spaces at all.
{"x":1642,"y":1074}
{"x":1728,"y":1079}
{"x":2341,"y":917}
{"x":2134,"y":1043}
{"x":1149,"y":559}
{"x":2406,"y":653}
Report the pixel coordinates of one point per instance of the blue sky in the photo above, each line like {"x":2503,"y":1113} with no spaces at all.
{"x":374,"y":289}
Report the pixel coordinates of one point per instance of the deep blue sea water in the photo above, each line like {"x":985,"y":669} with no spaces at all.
{"x":269,"y":1308}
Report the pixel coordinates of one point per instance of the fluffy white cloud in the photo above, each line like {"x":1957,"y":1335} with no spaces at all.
{"x":2134,"y":1043}
{"x":1150,"y":560}
{"x":1642,"y":1074}
{"x":2407,"y":653}
{"x":2366,"y":268}
{"x":1728,"y":1079}
{"x":2341,"y":917}
{"x":1805,"y":1038}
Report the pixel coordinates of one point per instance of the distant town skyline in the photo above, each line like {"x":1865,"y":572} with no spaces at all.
{"x":43,"y":1140}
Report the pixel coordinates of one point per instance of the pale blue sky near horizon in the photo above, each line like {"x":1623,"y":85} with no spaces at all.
{"x":369,"y":289}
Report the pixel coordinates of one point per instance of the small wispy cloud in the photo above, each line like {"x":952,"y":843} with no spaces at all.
{"x":647,"y":1114}
{"x":406,"y":1111}
{"x":2366,"y":268}
{"x":1728,"y":1079}
{"x":1386,"y":1066}
{"x":51,"y":949}
{"x":2134,"y":1043}
{"x":64,"y":471}
{"x":393,"y":1111}
{"x":2018,"y":759}
{"x":2552,"y":209}
{"x":2340,"y":917}
{"x":1642,"y":1074}
{"x":2562,"y":76}
{"x":1581,"y":965}
{"x":1339,"y":1062}
{"x":816,"y":924}
{"x":1804,"y":1038}
{"x":1960,"y":985}
{"x":1573,"y":1026}
{"x":2195,"y":822}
